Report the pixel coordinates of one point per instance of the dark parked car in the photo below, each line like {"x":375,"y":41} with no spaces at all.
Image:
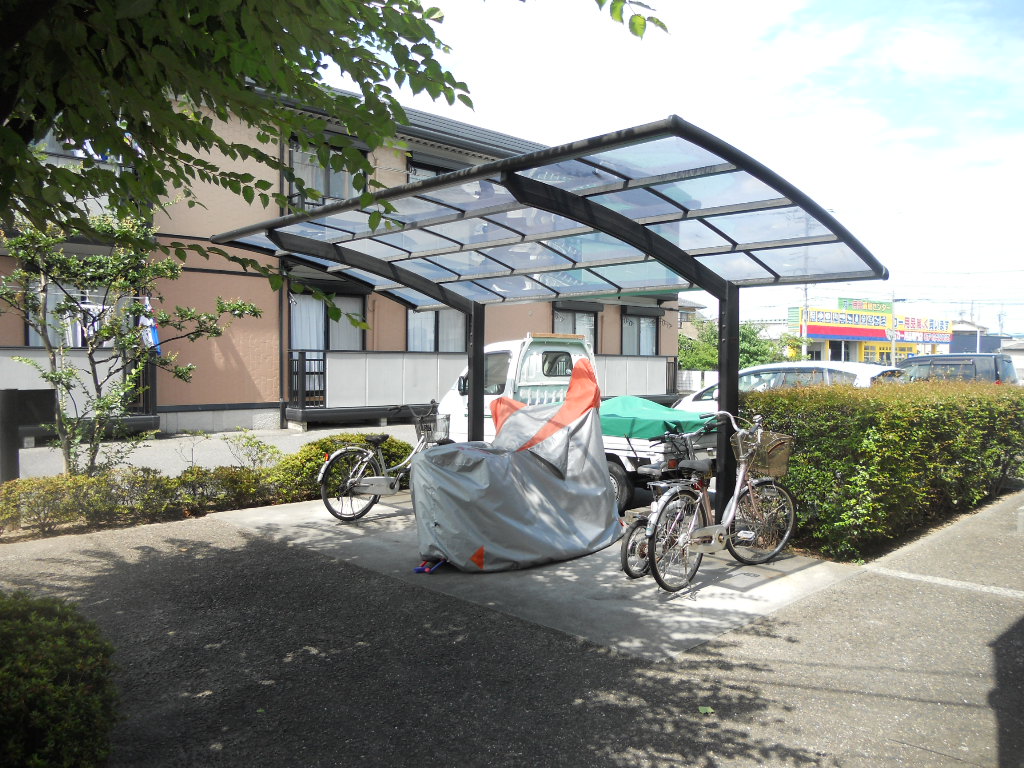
{"x":961,"y":365}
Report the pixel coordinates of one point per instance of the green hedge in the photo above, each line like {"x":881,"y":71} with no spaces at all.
{"x":294,"y":477}
{"x":871,"y":465}
{"x":58,"y":702}
{"x":134,"y":495}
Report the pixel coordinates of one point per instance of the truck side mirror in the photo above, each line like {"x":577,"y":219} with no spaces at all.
{"x":463,"y":385}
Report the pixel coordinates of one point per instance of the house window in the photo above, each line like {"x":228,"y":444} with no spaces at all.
{"x":313,"y":329}
{"x":73,"y":330}
{"x":418,"y":171}
{"x":440,"y":331}
{"x":639,"y":335}
{"x":332,"y":185}
{"x":582,"y":323}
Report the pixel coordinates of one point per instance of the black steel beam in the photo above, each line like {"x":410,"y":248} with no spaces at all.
{"x":728,"y":393}
{"x":476,"y":373}
{"x":288,"y":242}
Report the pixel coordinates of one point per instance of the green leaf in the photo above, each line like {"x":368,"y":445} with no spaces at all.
{"x":616,"y":10}
{"x":637,"y":24}
{"x":706,"y":710}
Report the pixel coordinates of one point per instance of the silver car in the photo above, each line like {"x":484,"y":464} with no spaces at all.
{"x":803,"y":373}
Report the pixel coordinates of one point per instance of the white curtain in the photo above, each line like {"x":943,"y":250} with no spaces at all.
{"x":307,"y":322}
{"x":344,"y":335}
{"x":451,"y":331}
{"x":648,"y":335}
{"x":420,"y":331}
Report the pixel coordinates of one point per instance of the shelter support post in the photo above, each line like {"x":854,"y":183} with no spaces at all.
{"x":9,"y":421}
{"x":476,"y":372}
{"x":728,"y":392}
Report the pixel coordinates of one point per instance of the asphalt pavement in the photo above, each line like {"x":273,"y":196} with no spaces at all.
{"x":280,"y":637}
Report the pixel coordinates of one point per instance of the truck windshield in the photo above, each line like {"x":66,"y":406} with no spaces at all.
{"x":495,"y":372}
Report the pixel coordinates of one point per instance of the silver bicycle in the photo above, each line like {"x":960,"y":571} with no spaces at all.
{"x":758,"y":521}
{"x":353,"y":478}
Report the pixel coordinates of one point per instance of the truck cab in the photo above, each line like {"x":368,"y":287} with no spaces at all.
{"x":532,"y":370}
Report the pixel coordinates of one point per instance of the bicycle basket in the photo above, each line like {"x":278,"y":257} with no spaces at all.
{"x":770,"y":455}
{"x":432,"y":428}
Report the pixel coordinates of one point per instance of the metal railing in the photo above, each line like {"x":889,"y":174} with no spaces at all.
{"x":307,"y":379}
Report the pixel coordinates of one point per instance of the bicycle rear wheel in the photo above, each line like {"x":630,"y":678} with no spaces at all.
{"x":340,"y":478}
{"x":633,"y":554}
{"x":764,"y":522}
{"x":672,"y":563}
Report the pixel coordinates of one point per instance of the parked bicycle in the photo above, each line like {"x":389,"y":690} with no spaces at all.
{"x":354,"y":477}
{"x":758,"y":521}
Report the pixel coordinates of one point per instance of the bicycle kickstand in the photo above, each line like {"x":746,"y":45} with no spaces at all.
{"x":428,"y":567}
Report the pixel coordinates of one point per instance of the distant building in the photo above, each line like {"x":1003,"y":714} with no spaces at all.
{"x":867,"y":330}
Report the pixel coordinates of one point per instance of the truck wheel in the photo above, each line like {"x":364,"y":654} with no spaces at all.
{"x":621,"y":486}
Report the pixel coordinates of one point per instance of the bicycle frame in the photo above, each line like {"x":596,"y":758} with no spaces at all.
{"x":711,"y":538}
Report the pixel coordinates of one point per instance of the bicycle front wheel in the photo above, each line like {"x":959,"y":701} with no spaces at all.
{"x":672,"y":562}
{"x":634,"y":549}
{"x":338,"y":486}
{"x":765,"y":520}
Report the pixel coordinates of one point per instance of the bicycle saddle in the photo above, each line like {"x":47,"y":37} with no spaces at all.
{"x":377,"y":440}
{"x":698,"y":466}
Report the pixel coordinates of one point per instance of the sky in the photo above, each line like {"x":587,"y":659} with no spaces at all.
{"x":905,"y":119}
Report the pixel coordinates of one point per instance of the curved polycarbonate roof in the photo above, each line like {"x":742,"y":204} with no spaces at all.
{"x":660,"y":208}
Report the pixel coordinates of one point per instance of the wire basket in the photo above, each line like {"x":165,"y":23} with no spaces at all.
{"x":770,"y":453}
{"x":432,"y":428}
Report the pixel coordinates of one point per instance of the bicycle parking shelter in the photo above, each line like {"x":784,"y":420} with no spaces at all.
{"x":662,"y":207}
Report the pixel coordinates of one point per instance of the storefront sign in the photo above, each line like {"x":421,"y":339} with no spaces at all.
{"x":845,"y":324}
{"x":866,"y":304}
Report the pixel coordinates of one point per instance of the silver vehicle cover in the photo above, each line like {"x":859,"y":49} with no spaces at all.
{"x":538,"y":494}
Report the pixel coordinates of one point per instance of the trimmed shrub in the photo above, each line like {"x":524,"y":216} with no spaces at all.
{"x":242,"y":487}
{"x":45,"y":503}
{"x":58,"y":702}
{"x":132,"y":495}
{"x":872,"y":465}
{"x":294,"y":477}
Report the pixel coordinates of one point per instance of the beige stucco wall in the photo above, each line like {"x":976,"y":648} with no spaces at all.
{"x":224,"y":210}
{"x":514,"y":321}
{"x":242,"y":365}
{"x":12,"y":326}
{"x":387,"y":321}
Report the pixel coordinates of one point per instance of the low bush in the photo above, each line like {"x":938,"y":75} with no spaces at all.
{"x":872,"y":465}
{"x":294,"y":477}
{"x":58,"y":702}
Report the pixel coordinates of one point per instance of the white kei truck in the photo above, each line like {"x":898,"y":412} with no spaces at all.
{"x":535,"y":370}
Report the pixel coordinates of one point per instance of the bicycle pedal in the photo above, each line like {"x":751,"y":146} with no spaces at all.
{"x":745,"y":535}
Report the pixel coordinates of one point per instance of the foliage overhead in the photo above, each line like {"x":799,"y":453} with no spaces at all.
{"x":152,"y":84}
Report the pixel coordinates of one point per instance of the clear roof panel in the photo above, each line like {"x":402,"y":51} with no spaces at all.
{"x":528,"y":256}
{"x":718,"y":190}
{"x":471,"y":196}
{"x":656,"y":208}
{"x":469,"y":263}
{"x":637,"y":203}
{"x":654,"y":158}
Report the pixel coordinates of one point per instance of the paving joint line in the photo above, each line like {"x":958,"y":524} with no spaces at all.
{"x":1015,"y":594}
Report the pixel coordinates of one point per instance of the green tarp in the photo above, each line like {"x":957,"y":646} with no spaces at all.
{"x":629,"y":416}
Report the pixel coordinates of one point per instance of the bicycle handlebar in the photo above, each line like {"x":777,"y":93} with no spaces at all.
{"x":718,"y":416}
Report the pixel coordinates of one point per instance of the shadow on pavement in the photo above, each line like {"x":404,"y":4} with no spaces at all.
{"x":1007,"y":698}
{"x":254,"y":652}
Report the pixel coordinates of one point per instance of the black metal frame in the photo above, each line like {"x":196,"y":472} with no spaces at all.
{"x":593,"y":217}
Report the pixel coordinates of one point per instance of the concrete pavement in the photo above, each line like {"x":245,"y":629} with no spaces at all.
{"x":279,"y":637}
